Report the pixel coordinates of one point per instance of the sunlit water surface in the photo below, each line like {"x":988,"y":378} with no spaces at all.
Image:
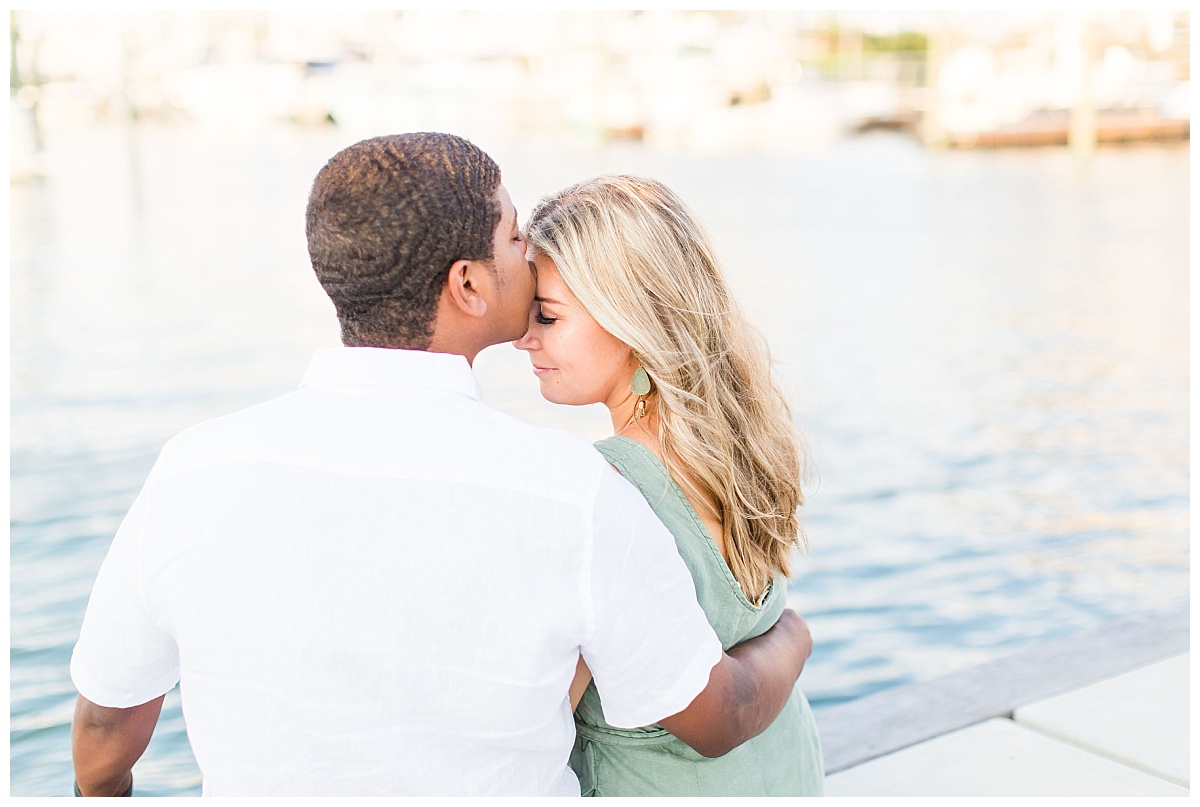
{"x":987,"y":351}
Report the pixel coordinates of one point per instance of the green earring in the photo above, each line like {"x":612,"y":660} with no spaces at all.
{"x":640,"y":385}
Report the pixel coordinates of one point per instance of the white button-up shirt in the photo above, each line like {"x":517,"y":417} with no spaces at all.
{"x":378,"y":585}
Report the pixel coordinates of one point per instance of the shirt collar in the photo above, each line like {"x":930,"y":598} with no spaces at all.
{"x":378,"y":368}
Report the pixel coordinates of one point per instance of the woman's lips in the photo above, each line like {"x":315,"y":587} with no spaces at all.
{"x":541,"y":371}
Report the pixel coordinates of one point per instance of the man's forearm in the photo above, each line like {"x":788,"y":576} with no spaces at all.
{"x":746,"y":689}
{"x":106,"y":742}
{"x":768,"y":668}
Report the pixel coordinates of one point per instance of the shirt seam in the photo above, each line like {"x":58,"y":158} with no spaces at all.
{"x":384,"y":388}
{"x":507,"y":484}
{"x":332,"y":368}
{"x":588,"y":517}
{"x":138,"y":557}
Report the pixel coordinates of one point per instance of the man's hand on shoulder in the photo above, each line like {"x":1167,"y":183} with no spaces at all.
{"x":795,"y":626}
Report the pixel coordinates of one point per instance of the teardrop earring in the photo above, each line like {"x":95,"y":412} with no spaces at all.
{"x":640,"y":386}
{"x":640,"y":383}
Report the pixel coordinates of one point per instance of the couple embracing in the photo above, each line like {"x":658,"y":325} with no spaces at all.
{"x":377,"y":585}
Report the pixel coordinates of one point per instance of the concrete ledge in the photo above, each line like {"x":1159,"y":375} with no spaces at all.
{"x":996,"y":758}
{"x":884,"y":722}
{"x":1140,"y":719}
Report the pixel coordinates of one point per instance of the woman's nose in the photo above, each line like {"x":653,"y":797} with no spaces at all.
{"x":526,"y":342}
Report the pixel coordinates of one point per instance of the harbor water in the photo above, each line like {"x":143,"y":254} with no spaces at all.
{"x":987,"y":352}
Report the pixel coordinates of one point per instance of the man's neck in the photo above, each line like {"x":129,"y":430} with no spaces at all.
{"x":456,"y":346}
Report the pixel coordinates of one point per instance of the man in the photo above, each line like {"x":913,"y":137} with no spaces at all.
{"x":376,"y":585}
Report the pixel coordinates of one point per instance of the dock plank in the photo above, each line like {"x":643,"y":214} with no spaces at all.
{"x":996,"y":758}
{"x":884,"y":722}
{"x":1137,"y":719}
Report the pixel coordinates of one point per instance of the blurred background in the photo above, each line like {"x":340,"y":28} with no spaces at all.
{"x":964,"y":235}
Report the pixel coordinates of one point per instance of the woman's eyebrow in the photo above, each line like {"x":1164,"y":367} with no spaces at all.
{"x":550,"y":300}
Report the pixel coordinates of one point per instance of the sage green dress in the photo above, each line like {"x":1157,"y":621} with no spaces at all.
{"x":785,"y":760}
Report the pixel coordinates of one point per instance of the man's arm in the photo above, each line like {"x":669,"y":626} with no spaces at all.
{"x":105,"y":742}
{"x":746,"y":689}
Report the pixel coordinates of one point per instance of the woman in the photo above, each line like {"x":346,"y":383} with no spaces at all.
{"x":632,"y":311}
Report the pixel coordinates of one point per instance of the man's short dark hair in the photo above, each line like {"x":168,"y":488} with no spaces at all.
{"x":387,"y":218}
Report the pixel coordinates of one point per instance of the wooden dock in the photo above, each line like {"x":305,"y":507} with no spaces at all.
{"x":1104,"y":713}
{"x":1052,"y":128}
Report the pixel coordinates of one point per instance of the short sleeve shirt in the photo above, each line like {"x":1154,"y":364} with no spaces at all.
{"x":377,"y":585}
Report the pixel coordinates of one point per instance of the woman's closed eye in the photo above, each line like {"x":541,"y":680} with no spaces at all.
{"x":542,"y":319}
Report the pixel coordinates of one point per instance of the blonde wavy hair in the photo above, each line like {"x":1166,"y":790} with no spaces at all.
{"x":637,"y":261}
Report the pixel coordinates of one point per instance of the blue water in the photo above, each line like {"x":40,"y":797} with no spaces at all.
{"x":987,"y":351}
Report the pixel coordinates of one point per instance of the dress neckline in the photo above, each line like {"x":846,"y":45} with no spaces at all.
{"x":709,"y":542}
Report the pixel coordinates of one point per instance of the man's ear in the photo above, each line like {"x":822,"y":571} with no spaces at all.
{"x":464,"y":287}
